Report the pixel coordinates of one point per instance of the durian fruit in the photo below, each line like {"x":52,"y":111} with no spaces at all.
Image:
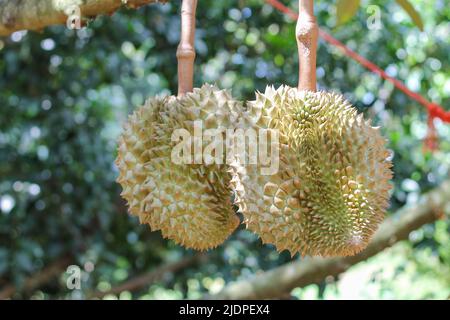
{"x":190,"y":204}
{"x":331,"y":189}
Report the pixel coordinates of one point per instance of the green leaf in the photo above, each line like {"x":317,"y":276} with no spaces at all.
{"x":408,"y":7}
{"x":346,"y":9}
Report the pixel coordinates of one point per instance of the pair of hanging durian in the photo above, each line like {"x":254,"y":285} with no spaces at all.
{"x":328,"y":196}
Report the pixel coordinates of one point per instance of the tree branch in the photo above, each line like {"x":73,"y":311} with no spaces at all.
{"x":38,"y":14}
{"x":136,"y":283}
{"x":281,"y":280}
{"x":37,"y":280}
{"x":148,"y":278}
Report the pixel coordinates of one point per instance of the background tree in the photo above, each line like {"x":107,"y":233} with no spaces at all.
{"x":64,"y":94}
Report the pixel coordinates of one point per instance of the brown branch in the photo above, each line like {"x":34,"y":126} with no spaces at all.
{"x":38,"y":14}
{"x":306,"y":33}
{"x":37,"y":280}
{"x":136,"y":283}
{"x":282,"y":280}
{"x":148,"y":278}
{"x":186,"y":50}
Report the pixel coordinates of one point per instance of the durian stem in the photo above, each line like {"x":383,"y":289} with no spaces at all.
{"x":306,"y":33}
{"x":186,"y":50}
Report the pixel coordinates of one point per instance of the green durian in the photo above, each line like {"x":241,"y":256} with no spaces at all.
{"x":332,"y":186}
{"x":190,"y":203}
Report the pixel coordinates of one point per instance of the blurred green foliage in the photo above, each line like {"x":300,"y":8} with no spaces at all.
{"x":64,"y":95}
{"x":346,"y":9}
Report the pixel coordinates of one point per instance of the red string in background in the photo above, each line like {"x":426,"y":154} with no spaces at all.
{"x":434,"y":110}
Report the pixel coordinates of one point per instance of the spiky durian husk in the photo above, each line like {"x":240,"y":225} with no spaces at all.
{"x":331,"y":190}
{"x":190,"y":204}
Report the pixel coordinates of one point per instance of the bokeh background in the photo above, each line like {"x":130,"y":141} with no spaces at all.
{"x":64,"y":95}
